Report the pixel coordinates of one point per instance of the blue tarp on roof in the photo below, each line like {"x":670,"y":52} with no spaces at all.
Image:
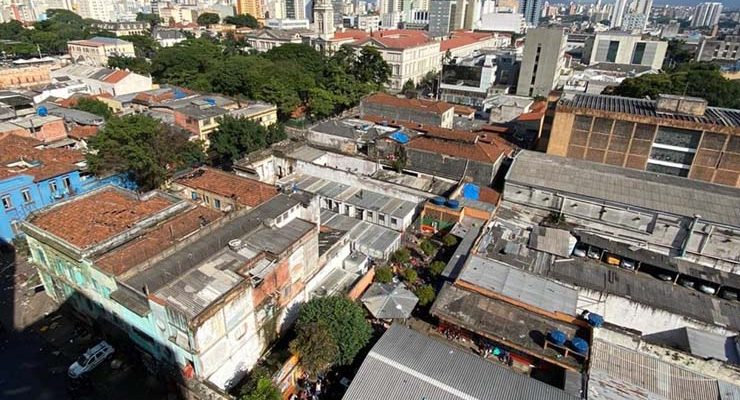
{"x":471,"y":191}
{"x":400,"y":137}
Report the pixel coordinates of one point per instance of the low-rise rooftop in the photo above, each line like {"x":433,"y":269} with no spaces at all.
{"x":368,"y":238}
{"x":93,"y":218}
{"x":652,"y":191}
{"x":405,"y":364}
{"x":435,"y":107}
{"x":244,"y":191}
{"x":20,"y":156}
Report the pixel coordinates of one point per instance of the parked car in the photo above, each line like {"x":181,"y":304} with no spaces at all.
{"x":579,"y":252}
{"x":594,"y":253}
{"x":627,"y":264}
{"x":611,"y":259}
{"x":91,"y":359}
{"x":686,"y":283}
{"x":728,"y":294}
{"x":664,"y":276}
{"x":707,"y":289}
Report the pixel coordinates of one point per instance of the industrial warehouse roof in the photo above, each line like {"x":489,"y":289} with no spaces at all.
{"x":406,"y":364}
{"x":519,"y":285}
{"x":647,"y":108}
{"x":665,"y":193}
{"x":358,"y":197}
{"x":368,"y":238}
{"x":619,"y":373}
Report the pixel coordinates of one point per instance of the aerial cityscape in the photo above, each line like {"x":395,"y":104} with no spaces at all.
{"x":369,"y":200}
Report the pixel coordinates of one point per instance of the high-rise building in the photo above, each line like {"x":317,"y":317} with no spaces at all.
{"x":532,"y":10}
{"x":441,"y":17}
{"x":624,"y":48}
{"x":101,"y":10}
{"x":620,"y":7}
{"x":254,"y":8}
{"x":706,"y":14}
{"x":542,"y":62}
{"x":295,"y":9}
{"x":338,"y":7}
{"x":513,"y":5}
{"x":467,"y":13}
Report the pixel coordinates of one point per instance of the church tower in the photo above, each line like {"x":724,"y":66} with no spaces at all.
{"x":323,"y":19}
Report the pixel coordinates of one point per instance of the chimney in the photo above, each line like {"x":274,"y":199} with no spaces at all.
{"x":681,"y":104}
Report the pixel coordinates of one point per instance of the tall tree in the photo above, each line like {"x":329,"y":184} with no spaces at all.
{"x":144,"y":45}
{"x":236,"y":137}
{"x":370,"y":67}
{"x":344,"y":321}
{"x":242,"y":20}
{"x":208,"y":19}
{"x":142,"y":147}
{"x":315,"y":347}
{"x":94,"y":106}
{"x":137,"y":65}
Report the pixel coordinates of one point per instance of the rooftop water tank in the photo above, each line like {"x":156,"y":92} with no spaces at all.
{"x":452,"y":203}
{"x":42,"y":111}
{"x":557,"y":337}
{"x":579,"y":345}
{"x":595,"y":320}
{"x":210,"y":101}
{"x":440,"y":201}
{"x":235,"y":244}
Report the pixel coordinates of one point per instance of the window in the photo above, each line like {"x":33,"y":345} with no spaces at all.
{"x":206,"y":199}
{"x":678,"y":137}
{"x":7,"y":204}
{"x":611,"y":53}
{"x":66,"y":183}
{"x":194,"y":195}
{"x":394,"y":221}
{"x":639,"y":53}
{"x":26,"y":196}
{"x":381,"y":218}
{"x":217,"y":203}
{"x":53,"y":186}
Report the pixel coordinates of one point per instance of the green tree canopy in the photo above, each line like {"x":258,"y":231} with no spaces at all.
{"x":345,"y":323}
{"x":436,"y":267}
{"x":692,"y":79}
{"x":383,"y":274}
{"x":137,"y":65}
{"x":427,"y":247}
{"x":370,"y":67}
{"x":401,"y":256}
{"x":315,"y":346}
{"x":152,"y":19}
{"x":94,"y":106}
{"x":142,"y":147}
{"x":426,"y":294}
{"x":144,"y":46}
{"x":236,"y":137}
{"x":409,"y":275}
{"x":242,"y":20}
{"x":208,"y":19}
{"x":259,"y":386}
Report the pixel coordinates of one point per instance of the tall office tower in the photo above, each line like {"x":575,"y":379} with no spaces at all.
{"x":512,"y":5}
{"x":441,"y":17}
{"x":276,"y":8}
{"x":102,"y":10}
{"x":254,"y":8}
{"x":466,"y":13}
{"x":338,"y":6}
{"x":531,"y":9}
{"x":154,"y":7}
{"x":295,"y":9}
{"x":542,"y":62}
{"x":323,"y":17}
{"x":620,"y":7}
{"x":706,"y":14}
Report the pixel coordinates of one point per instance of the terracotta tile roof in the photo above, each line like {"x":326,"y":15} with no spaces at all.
{"x":83,"y":132}
{"x":247,"y":192}
{"x":536,"y":112}
{"x":156,"y":240}
{"x":51,"y":162}
{"x":429,"y":130}
{"x":487,"y":152}
{"x":438,"y":107}
{"x":351,"y":34}
{"x":463,"y":110}
{"x":489,"y":195}
{"x":462,"y":38}
{"x":117,"y":76}
{"x":400,"y":39}
{"x":88,"y":220}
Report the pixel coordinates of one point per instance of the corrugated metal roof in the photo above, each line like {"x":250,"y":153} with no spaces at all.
{"x":711,"y":345}
{"x":643,"y":107}
{"x":519,"y":285}
{"x":618,"y":373}
{"x":665,"y":193}
{"x":405,"y":364}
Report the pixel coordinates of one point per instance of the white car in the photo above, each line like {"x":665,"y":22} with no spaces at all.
{"x":91,"y":359}
{"x":579,"y":252}
{"x":707,"y":289}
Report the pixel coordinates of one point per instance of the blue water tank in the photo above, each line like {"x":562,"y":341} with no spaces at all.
{"x":471,"y":191}
{"x":595,"y":320}
{"x":179,"y":94}
{"x":579,"y":345}
{"x":453,"y":203}
{"x":42,"y":111}
{"x":210,"y":101}
{"x":557,"y":337}
{"x":440,"y":201}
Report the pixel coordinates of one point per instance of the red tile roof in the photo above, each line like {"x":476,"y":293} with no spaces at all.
{"x":438,"y":107}
{"x":397,"y":39}
{"x":484,"y":150}
{"x":351,"y":34}
{"x":53,"y":162}
{"x":489,"y":195}
{"x":536,"y":112}
{"x":83,"y":132}
{"x":429,"y":130}
{"x":246,"y":192}
{"x":117,"y":76}
{"x":463,"y":38}
{"x":88,"y":220}
{"x":156,"y":240}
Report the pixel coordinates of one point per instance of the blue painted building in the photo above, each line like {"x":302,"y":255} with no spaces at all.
{"x":32,"y":178}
